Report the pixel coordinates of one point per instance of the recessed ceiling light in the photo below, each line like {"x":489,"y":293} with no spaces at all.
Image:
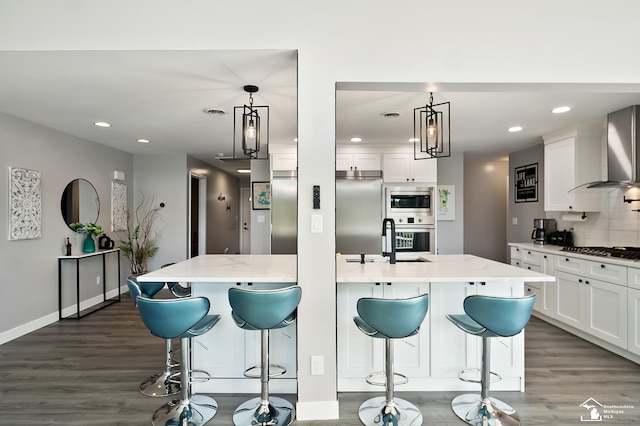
{"x":414,"y":140}
{"x":143,"y":140}
{"x":243,"y":170}
{"x":295,"y":139}
{"x":356,"y":139}
{"x":515,"y":129}
{"x":561,"y":109}
{"x":102,"y":124}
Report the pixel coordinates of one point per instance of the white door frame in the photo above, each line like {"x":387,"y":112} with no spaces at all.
{"x":202,"y":214}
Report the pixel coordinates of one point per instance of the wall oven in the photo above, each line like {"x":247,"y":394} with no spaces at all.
{"x":414,"y":239}
{"x":410,"y":205}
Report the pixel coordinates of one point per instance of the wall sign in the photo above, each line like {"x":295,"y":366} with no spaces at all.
{"x":526,"y":186}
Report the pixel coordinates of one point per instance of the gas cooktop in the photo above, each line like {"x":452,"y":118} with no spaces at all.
{"x":632,"y":253}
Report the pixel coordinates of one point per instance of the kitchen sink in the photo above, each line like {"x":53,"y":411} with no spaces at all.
{"x":386,"y":260}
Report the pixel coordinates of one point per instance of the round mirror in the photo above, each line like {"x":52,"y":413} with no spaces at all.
{"x":79,"y":202}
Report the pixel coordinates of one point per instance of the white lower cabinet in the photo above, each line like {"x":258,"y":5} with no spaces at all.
{"x":227,"y":351}
{"x":360,"y":355}
{"x":633,"y":323}
{"x":593,"y":306}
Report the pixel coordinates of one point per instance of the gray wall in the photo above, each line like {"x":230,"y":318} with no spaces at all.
{"x":450,"y":234}
{"x":260,"y":219}
{"x":485,"y":200}
{"x":29,"y":267}
{"x":524,"y":213}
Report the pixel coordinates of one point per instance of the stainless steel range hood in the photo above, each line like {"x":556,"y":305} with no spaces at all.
{"x":622,"y":150}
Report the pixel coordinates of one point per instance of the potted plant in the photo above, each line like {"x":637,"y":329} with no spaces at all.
{"x":89,"y":228}
{"x":140,"y":242}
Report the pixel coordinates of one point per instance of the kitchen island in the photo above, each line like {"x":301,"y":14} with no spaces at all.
{"x":430,"y":359}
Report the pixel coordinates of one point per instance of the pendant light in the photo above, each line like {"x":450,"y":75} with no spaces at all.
{"x":431,"y":137}
{"x":250,"y":128}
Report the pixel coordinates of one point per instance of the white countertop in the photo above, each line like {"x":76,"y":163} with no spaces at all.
{"x":551,"y":249}
{"x":228,"y":268}
{"x":439,"y":268}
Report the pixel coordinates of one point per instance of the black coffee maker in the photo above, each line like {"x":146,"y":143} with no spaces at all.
{"x":542,"y":229}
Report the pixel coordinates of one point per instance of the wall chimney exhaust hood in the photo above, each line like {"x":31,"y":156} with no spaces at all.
{"x":622,"y":150}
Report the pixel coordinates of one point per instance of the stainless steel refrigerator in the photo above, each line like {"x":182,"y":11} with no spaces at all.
{"x":359,"y":212}
{"x":284,"y":212}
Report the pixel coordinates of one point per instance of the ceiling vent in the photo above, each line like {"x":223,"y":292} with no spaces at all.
{"x":391,"y":114}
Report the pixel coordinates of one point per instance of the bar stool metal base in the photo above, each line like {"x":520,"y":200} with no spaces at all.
{"x":196,"y":412}
{"x":374,"y":412}
{"x":470,"y":408}
{"x":278,"y":412}
{"x":159,"y":385}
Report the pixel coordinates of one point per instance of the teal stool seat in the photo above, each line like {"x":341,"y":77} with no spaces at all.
{"x":158,"y":384}
{"x":264,"y":310}
{"x":390,"y":319}
{"x":181,"y":319}
{"x":488,"y":317}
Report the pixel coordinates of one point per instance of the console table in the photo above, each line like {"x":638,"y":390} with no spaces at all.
{"x":105,"y":302}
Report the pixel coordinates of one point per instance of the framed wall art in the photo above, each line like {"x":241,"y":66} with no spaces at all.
{"x":261,"y":195}
{"x":25,"y":204}
{"x":118,"y":206}
{"x":526,"y":183}
{"x":446,"y":202}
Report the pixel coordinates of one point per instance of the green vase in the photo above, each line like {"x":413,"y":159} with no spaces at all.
{"x":89,"y":245}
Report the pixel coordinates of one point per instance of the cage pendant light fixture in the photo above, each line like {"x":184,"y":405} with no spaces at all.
{"x":432,"y":130}
{"x":251,"y":128}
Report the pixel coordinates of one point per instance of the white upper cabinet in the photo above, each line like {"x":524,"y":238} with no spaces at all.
{"x":403,"y":168}
{"x":572,"y":159}
{"x":348,"y":161}
{"x":284,"y":161}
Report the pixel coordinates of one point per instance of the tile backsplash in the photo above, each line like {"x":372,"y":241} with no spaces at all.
{"x":617,"y":224}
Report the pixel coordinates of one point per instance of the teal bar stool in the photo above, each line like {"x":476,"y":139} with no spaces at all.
{"x":181,"y":319}
{"x":390,"y":319}
{"x":488,"y":317}
{"x":157,"y":384}
{"x":176,"y":289}
{"x":264,"y":310}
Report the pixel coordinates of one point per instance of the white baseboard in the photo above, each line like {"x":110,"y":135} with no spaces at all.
{"x":48,"y":319}
{"x":317,"y":410}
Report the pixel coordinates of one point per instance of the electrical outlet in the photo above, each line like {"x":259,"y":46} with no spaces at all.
{"x":98,"y":280}
{"x":317,"y":365}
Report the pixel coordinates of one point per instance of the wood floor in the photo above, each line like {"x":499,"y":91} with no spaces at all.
{"x":87,"y":373}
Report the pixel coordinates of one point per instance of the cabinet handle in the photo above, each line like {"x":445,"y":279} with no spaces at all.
{"x":238,"y":283}
{"x":566,"y":259}
{"x":580,"y":280}
{"x":377,"y":283}
{"x":586,"y":282}
{"x":545,"y":256}
{"x":529,"y":267}
{"x":483,"y":283}
{"x":471,"y":283}
{"x":602,"y":266}
{"x":388,"y":283}
{"x":570,"y":207}
{"x":528,"y":252}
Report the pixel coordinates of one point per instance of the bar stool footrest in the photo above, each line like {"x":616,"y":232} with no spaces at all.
{"x":370,"y":379}
{"x":195,"y":376}
{"x":466,"y":374}
{"x":275,"y":370}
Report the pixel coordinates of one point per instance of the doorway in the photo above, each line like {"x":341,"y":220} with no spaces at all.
{"x":245,"y":221}
{"x":197,"y":241}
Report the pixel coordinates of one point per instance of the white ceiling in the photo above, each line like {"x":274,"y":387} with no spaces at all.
{"x":160,"y":96}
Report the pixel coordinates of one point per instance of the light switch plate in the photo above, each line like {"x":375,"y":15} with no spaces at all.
{"x":316,"y":224}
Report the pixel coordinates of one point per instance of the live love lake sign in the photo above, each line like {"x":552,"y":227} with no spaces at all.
{"x":526,"y":183}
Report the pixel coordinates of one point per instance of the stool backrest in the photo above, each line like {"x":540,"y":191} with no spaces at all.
{"x":171,"y":318}
{"x":146,"y":289}
{"x":503,"y":316}
{"x":395,"y":318}
{"x":264,"y":309}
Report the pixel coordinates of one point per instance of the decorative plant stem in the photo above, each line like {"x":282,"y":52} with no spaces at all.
{"x":140,"y":242}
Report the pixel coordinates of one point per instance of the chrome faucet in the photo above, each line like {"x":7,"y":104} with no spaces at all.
{"x":392,"y":253}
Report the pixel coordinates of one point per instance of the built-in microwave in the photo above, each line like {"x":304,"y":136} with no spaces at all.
{"x":410,"y":205}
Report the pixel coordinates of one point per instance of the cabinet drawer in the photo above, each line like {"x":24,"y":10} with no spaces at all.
{"x":633,"y":278}
{"x":528,"y":291}
{"x":516,"y":253}
{"x":516,"y":262}
{"x":568,"y":264}
{"x":608,"y":272}
{"x":534,"y":268}
{"x":532,"y":257}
